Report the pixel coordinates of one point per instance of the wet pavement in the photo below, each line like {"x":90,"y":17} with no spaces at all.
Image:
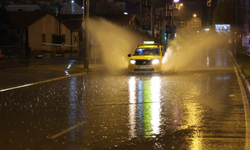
{"x":196,"y":109}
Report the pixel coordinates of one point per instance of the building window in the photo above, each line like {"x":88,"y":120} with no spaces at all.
{"x":53,"y":37}
{"x":43,"y":38}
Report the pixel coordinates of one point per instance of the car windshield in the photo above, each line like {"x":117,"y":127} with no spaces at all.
{"x":146,"y":51}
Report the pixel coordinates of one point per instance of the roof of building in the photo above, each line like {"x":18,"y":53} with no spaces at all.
{"x":20,"y":20}
{"x":23,"y":19}
{"x":74,"y":21}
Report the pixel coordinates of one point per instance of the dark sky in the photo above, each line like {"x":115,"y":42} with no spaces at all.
{"x":92,"y":3}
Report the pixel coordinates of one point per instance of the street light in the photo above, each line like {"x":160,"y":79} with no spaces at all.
{"x":180,"y":5}
{"x":175,"y":6}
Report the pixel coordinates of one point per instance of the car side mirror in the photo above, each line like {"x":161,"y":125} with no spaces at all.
{"x":129,"y":55}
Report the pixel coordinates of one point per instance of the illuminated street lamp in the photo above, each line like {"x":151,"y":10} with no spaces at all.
{"x":175,"y":6}
{"x":180,"y":5}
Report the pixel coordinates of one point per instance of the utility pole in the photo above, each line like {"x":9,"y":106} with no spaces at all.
{"x":140,"y":15}
{"x":173,"y":8}
{"x":86,"y":50}
{"x":153,"y":18}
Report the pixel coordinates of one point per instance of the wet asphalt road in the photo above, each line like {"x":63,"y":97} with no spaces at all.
{"x":196,"y":110}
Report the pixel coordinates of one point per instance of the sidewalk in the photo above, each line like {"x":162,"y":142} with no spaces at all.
{"x":75,"y":65}
{"x":11,"y":62}
{"x":17,"y":61}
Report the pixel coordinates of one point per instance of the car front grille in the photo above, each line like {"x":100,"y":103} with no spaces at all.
{"x":149,"y":69}
{"x":143,"y":62}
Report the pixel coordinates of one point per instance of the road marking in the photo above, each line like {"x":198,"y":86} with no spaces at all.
{"x":65,"y":131}
{"x":35,"y":83}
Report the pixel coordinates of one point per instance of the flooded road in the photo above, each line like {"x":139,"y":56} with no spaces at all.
{"x":194,"y":109}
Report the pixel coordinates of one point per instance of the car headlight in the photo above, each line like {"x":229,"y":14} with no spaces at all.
{"x":132,"y":61}
{"x":155,"y":61}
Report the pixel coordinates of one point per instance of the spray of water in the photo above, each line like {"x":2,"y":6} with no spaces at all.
{"x":187,"y":47}
{"x":115,"y":42}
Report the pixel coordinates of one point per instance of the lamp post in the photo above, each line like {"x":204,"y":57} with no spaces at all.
{"x":140,"y":15}
{"x":86,"y":50}
{"x":153,"y":19}
{"x":172,"y":20}
{"x":175,"y":6}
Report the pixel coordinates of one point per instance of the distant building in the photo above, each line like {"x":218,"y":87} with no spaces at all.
{"x":33,"y":29}
{"x":202,"y":8}
{"x":194,"y":23}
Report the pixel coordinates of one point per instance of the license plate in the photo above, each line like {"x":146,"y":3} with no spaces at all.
{"x":143,"y":67}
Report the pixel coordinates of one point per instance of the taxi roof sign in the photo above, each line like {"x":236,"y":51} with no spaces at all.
{"x":148,"y":42}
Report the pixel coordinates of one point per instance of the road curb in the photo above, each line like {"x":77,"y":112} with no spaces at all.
{"x":243,"y":76}
{"x":244,"y":86}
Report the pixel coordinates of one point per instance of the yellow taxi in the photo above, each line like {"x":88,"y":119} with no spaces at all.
{"x":146,"y":58}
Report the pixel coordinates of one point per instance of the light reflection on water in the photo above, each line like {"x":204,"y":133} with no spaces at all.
{"x":132,"y":107}
{"x":145,"y":99}
{"x":76,"y":101}
{"x":194,"y":120}
{"x":72,"y":108}
{"x":156,"y":108}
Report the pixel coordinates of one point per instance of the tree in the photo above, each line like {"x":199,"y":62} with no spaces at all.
{"x":230,"y":12}
{"x":106,"y":7}
{"x":224,"y":12}
{"x":4,"y":21}
{"x":233,"y":12}
{"x":4,"y":16}
{"x":54,"y":7}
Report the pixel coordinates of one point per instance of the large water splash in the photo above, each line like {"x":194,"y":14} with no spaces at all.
{"x":115,"y":42}
{"x":186,"y":49}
